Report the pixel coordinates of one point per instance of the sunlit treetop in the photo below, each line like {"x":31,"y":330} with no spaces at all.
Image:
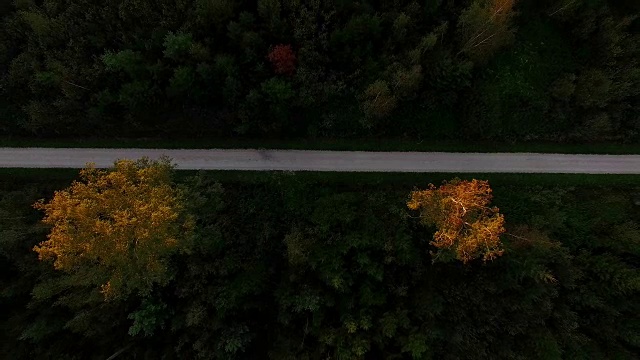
{"x":117,"y":226}
{"x":466,"y":225}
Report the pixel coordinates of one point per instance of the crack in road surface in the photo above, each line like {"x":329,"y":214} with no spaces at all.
{"x":345,"y":161}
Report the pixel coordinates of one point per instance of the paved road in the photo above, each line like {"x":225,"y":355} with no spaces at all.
{"x":330,"y":160}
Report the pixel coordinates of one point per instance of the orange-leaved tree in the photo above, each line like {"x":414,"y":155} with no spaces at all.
{"x":466,"y":225}
{"x":116,"y":228}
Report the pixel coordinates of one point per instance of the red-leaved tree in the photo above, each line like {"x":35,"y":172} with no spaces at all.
{"x":283,"y":59}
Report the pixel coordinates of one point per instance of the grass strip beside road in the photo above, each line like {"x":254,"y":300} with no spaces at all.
{"x":363,"y":178}
{"x":327,"y":144}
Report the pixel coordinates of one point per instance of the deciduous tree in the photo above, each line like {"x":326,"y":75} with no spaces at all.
{"x":177,"y":45}
{"x":465,"y":223}
{"x":377,"y":102}
{"x":116,"y":226}
{"x":485,"y":26}
{"x":283,"y":59}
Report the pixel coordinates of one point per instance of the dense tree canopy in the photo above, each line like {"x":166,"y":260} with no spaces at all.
{"x":298,"y":266}
{"x":480,"y":69}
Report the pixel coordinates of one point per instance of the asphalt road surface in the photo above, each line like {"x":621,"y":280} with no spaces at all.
{"x":306,"y":160}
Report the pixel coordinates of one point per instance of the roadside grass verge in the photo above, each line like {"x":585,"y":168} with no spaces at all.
{"x":328,"y":144}
{"x":350,"y":178}
{"x":411,"y":180}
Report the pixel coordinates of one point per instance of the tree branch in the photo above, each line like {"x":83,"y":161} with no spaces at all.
{"x":563,"y":7}
{"x":117,"y":353}
{"x":76,"y":85}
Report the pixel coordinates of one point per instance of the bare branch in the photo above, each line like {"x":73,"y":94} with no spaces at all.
{"x":563,"y":7}
{"x":76,"y":85}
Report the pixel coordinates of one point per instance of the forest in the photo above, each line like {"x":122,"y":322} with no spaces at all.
{"x":314,"y":266}
{"x":141,"y":261}
{"x":500,"y":70}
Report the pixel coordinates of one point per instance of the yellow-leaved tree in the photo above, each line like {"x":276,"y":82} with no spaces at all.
{"x":116,"y":228}
{"x":466,"y":226}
